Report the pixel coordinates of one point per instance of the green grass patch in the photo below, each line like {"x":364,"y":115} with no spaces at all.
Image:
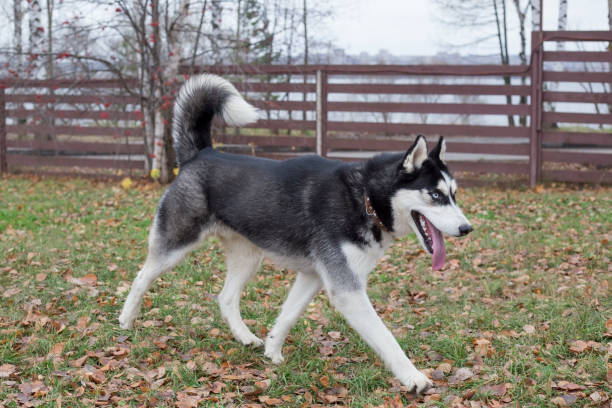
{"x":523,"y":302}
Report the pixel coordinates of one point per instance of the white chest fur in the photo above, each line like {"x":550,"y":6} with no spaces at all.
{"x":362,"y":259}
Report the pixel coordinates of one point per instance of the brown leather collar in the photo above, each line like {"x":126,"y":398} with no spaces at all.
{"x":372,"y":212}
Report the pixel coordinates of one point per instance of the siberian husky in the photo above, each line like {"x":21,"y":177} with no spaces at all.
{"x":329,"y":221}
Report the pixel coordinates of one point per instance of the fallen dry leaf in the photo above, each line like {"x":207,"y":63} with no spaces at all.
{"x":460,"y":375}
{"x":595,"y":396}
{"x":579,"y":346}
{"x":269,"y":400}
{"x":87,"y":280}
{"x":324,"y":380}
{"x":263,"y":384}
{"x":446,"y":368}
{"x":217,"y":387}
{"x":6,"y":370}
{"x":336,"y":335}
{"x":186,"y":401}
{"x":568,"y":386}
{"x":497,"y":390}
{"x":483,"y":347}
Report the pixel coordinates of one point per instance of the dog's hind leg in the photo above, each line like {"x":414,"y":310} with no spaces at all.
{"x":242,"y":259}
{"x":159,"y":260}
{"x":305,"y":287}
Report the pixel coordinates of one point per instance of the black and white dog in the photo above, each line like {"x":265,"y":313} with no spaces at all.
{"x":329,"y":221}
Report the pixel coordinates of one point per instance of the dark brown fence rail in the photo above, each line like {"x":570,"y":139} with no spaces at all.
{"x":507,"y":120}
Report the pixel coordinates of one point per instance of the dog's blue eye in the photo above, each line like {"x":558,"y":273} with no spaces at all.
{"x":435,"y":195}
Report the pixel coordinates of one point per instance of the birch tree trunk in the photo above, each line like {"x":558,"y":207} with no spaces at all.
{"x":502,"y":36}
{"x":50,"y":122}
{"x":521,"y":14}
{"x":17,"y":30}
{"x":164,"y":156}
{"x":36,"y":35}
{"x":561,"y":26}
{"x":535,"y":15}
{"x":18,"y":44}
{"x":610,"y":48}
{"x":562,"y":22}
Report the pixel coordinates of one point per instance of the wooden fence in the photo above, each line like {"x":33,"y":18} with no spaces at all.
{"x":587,"y":143}
{"x":350,"y":112}
{"x":58,"y":126}
{"x":339,"y":110}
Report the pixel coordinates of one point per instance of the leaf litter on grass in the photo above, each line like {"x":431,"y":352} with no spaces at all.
{"x":519,"y":316}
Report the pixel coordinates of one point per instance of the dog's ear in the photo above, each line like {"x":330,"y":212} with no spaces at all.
{"x":415,"y":156}
{"x":439,"y":152}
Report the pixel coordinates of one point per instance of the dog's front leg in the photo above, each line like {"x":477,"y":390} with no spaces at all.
{"x":356,"y":307}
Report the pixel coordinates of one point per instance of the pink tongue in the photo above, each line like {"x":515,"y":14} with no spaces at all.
{"x":439,"y":250}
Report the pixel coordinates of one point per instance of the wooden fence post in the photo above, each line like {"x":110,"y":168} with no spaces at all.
{"x":535,"y":136}
{"x":3,"y":162}
{"x":321,"y":135}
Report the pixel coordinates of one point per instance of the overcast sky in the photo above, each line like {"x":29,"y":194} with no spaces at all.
{"x":413,"y":27}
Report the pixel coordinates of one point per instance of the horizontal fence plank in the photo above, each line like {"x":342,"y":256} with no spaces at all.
{"x":278,"y":69}
{"x":577,"y":35}
{"x":271,"y":140}
{"x":433,"y":129}
{"x":429,"y":70}
{"x":68,"y":83}
{"x":349,"y":69}
{"x":586,"y":97}
{"x":67,"y":161}
{"x":448,"y":108}
{"x":576,"y":157}
{"x":578,"y":56}
{"x":489,"y":167}
{"x":576,"y":176}
{"x":274,"y":87}
{"x":433,"y":89}
{"x":579,"y":138}
{"x":117,"y":148}
{"x":557,"y":117}
{"x":453,"y":147}
{"x":73,"y":114}
{"x":71,"y":99}
{"x":576,"y":76}
{"x":284,"y":105}
{"x":283,"y":124}
{"x":76,"y":130}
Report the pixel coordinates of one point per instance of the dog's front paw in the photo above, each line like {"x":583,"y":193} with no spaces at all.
{"x":417,"y":382}
{"x":251,"y":340}
{"x":125,"y":322}
{"x":274,"y":355}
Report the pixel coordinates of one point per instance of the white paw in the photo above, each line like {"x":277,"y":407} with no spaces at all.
{"x":250,"y":339}
{"x":417,"y":382}
{"x":274,"y":355}
{"x":125,"y":322}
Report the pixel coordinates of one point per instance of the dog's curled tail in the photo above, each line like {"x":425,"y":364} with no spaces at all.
{"x":200,"y":99}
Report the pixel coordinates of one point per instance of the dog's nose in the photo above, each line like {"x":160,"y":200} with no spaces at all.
{"x":465,"y":229}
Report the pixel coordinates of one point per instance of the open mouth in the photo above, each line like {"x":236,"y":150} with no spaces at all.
{"x":431,"y":238}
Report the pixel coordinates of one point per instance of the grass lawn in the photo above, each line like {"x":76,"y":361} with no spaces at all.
{"x":520,"y":315}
